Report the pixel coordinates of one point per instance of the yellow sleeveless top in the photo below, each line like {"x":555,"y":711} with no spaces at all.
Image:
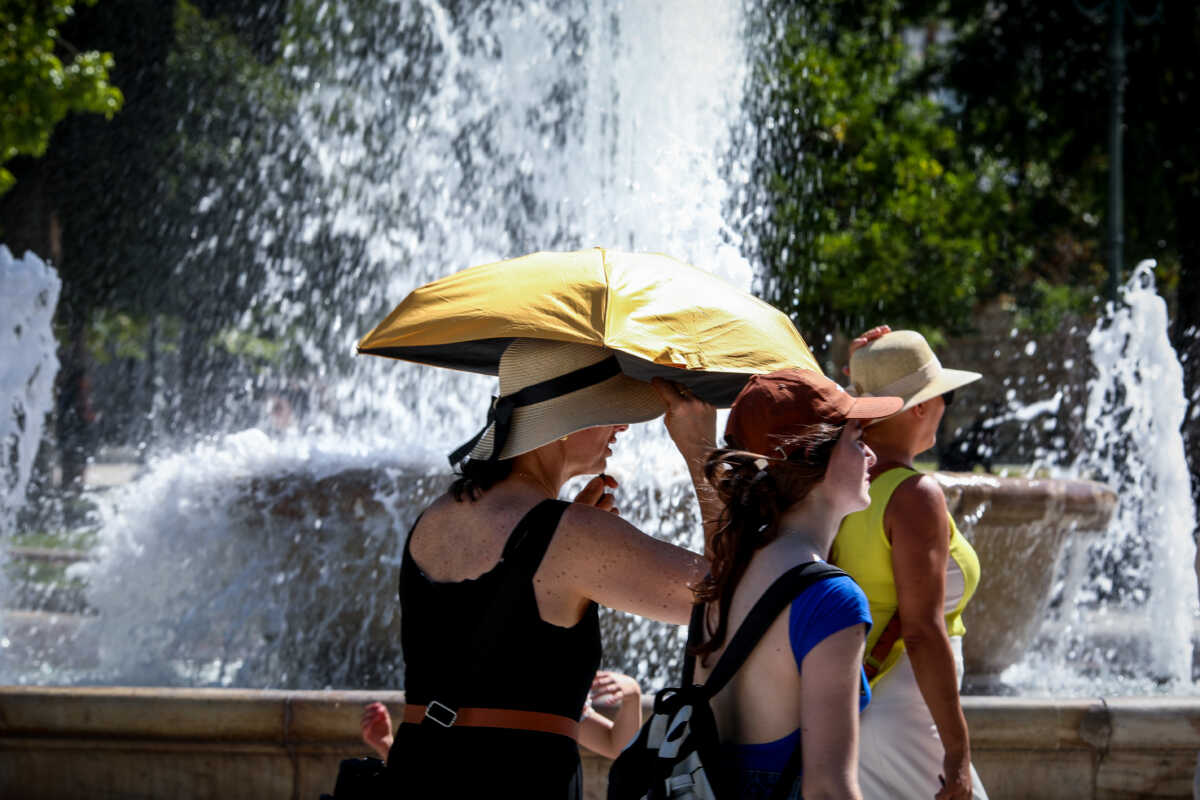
{"x":863,"y":550}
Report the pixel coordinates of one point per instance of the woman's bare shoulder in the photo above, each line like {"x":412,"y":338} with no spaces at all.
{"x":443,"y":504}
{"x":917,"y":513}
{"x":448,"y":518}
{"x":918,"y":494}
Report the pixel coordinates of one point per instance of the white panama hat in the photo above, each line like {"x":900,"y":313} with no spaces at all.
{"x":551,"y":389}
{"x":901,"y":364}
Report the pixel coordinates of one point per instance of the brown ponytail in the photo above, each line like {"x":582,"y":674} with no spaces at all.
{"x":755,"y":491}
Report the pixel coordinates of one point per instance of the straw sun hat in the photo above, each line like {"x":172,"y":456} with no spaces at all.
{"x":901,"y":364}
{"x":551,"y":389}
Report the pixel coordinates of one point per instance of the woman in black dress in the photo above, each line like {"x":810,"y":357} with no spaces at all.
{"x":500,"y":581}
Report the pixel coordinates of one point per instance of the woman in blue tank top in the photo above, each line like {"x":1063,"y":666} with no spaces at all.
{"x":794,"y":466}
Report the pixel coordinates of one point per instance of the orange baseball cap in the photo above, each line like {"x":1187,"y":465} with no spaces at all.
{"x":773,"y":407}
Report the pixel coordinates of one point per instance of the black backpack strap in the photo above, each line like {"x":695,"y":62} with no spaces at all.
{"x":695,"y":637}
{"x":777,"y":597}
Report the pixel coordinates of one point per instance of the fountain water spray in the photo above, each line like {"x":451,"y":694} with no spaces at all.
{"x":535,"y":126}
{"x":28,"y":364}
{"x":1129,"y":602}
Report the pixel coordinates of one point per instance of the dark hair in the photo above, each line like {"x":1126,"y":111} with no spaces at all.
{"x":755,"y":490}
{"x":476,"y":476}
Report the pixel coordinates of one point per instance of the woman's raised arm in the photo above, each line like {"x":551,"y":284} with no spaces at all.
{"x":692,"y":425}
{"x":599,"y":556}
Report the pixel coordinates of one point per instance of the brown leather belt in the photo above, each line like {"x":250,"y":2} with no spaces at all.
{"x":493,"y":718}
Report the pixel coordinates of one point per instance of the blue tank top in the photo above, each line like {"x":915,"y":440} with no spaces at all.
{"x":820,"y":611}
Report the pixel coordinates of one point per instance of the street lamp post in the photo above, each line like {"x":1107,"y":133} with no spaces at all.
{"x":1116,"y":116}
{"x":1116,"y":121}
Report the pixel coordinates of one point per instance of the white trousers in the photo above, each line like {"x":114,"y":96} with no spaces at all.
{"x":899,"y":751}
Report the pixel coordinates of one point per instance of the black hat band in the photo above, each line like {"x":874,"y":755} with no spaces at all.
{"x":501,"y":411}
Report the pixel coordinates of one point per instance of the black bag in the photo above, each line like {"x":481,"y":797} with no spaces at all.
{"x":675,"y":755}
{"x":361,"y":779}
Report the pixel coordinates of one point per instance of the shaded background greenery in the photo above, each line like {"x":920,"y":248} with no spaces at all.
{"x":908,"y":162}
{"x":931,"y":163}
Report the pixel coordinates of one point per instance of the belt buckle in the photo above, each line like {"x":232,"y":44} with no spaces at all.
{"x":447,"y":714}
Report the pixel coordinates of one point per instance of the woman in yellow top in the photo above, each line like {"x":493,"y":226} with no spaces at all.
{"x":918,"y":573}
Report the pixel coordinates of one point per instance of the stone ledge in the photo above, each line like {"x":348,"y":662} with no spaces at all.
{"x":1110,"y":748}
{"x":225,"y":715}
{"x":59,"y":742}
{"x":1042,"y":723}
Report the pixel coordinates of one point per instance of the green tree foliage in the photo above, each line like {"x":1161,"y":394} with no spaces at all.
{"x":1032,"y":83}
{"x":863,"y":204}
{"x":135,"y":213}
{"x":37,"y":87}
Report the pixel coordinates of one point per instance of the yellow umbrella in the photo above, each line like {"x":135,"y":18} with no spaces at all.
{"x":663,"y":318}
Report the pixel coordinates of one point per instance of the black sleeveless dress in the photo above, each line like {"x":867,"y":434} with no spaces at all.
{"x":534,"y":666}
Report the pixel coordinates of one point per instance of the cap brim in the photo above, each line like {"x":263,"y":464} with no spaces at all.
{"x":874,"y":407}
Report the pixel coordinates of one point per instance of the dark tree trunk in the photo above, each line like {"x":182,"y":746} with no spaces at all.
{"x":25,"y":211}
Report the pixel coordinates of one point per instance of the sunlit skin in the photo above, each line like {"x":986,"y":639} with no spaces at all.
{"x":849,"y":470}
{"x":584,"y":452}
{"x":898,"y":440}
{"x":916,"y":523}
{"x":767,"y":699}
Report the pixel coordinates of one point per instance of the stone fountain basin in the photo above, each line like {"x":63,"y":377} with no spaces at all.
{"x":339,"y":536}
{"x":1019,"y":527}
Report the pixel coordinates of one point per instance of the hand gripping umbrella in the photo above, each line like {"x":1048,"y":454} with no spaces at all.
{"x":662,"y":318}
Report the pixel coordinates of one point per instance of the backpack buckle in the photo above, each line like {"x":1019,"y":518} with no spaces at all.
{"x":440,"y":713}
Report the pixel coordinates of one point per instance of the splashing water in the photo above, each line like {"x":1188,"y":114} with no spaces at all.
{"x":28,"y":364}
{"x":541,"y":126}
{"x":258,"y":559}
{"x":1129,"y":602}
{"x":427,"y":142}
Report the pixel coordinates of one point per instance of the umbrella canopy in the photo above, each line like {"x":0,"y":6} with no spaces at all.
{"x":664,"y":318}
